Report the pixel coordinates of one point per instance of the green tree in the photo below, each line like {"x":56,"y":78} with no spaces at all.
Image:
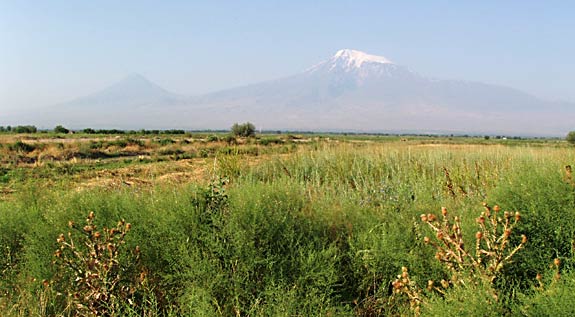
{"x":570,"y":137}
{"x":25,"y":129}
{"x":60,"y":129}
{"x":244,"y":130}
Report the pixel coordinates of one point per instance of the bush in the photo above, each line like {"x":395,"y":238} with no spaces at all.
{"x":92,"y":270}
{"x":166,"y":141}
{"x":244,"y":130}
{"x":61,"y":129}
{"x":25,"y":129}
{"x":571,"y":137}
{"x":20,"y":146}
{"x":268,"y":141}
{"x":553,"y":300}
{"x":547,"y":203}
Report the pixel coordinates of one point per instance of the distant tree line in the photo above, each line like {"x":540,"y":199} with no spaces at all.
{"x":19,"y":129}
{"x":64,"y":130}
{"x":143,"y":131}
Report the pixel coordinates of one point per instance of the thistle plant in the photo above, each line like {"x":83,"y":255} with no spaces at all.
{"x":90,"y":272}
{"x":403,"y":285}
{"x":493,"y":248}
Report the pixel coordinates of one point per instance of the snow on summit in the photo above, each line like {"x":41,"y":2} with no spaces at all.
{"x":350,"y":60}
{"x":353,"y":58}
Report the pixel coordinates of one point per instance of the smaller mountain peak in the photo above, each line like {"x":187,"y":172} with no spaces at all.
{"x":135,"y":77}
{"x":357,"y":58}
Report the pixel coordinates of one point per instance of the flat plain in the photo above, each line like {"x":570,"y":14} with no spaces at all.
{"x":285,"y":225}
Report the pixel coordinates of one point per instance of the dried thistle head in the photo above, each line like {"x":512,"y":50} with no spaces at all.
{"x":444,"y":211}
{"x":557,"y":262}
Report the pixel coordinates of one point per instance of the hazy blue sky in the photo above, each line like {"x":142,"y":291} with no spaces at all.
{"x":52,"y":51}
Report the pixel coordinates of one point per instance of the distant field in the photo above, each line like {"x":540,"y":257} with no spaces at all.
{"x":285,"y":225}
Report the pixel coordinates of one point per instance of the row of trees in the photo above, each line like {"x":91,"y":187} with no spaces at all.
{"x":64,"y":130}
{"x":29,"y":129}
{"x":19,"y":129}
{"x":238,"y":130}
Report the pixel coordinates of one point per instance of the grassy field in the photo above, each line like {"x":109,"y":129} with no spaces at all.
{"x":285,"y":225}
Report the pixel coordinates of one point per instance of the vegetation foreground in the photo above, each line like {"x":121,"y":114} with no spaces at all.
{"x":285,"y":225}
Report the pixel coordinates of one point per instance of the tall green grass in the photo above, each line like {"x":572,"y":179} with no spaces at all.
{"x":323,"y":231}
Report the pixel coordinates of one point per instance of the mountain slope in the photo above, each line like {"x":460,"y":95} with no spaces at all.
{"x":362,"y":92}
{"x":351,"y":91}
{"x":132,"y":91}
{"x":132,"y":103}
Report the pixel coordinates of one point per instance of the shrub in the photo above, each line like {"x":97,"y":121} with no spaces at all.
{"x":546,"y":199}
{"x":471,"y":272}
{"x":20,"y":146}
{"x":95,"y":273}
{"x":60,"y":129}
{"x":267,"y":141}
{"x":553,"y":299}
{"x":231,"y":140}
{"x":25,"y":129}
{"x":166,"y":141}
{"x":244,"y":130}
{"x":492,"y":243}
{"x":570,"y":137}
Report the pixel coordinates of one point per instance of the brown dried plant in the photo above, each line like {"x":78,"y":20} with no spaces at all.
{"x":492,"y":242}
{"x":481,"y":265}
{"x":90,"y":272}
{"x":404,"y":286}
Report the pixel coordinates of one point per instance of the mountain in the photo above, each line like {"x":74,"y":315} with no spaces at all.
{"x":351,"y":91}
{"x":356,"y":91}
{"x":133,"y":102}
{"x":133,"y":90}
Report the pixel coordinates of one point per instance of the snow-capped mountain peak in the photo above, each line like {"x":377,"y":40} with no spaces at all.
{"x":353,"y":61}
{"x":353,"y":58}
